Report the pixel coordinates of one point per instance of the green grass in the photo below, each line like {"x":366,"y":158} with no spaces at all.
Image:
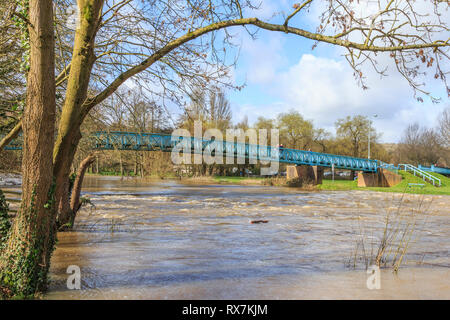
{"x":402,"y":187}
{"x":338,"y":185}
{"x":445,"y":181}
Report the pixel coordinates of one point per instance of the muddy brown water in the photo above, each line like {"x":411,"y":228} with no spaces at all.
{"x":170,"y":240}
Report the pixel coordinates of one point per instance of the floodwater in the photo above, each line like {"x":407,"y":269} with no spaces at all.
{"x":169,"y":240}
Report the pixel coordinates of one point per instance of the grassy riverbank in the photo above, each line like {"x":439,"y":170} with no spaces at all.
{"x":340,"y":185}
{"x":239,"y":180}
{"x":402,"y":187}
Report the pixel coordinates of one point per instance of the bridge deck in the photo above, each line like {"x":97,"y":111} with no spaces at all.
{"x":152,"y":142}
{"x":155,"y":141}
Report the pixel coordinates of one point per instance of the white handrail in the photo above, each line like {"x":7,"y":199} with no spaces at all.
{"x":425,"y":175}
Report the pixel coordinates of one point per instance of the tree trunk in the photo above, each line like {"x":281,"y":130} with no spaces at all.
{"x":62,"y":173}
{"x":73,"y":114}
{"x":121,"y":164}
{"x":25,"y":259}
{"x":142,"y":169}
{"x":67,"y":218}
{"x":76,"y":191}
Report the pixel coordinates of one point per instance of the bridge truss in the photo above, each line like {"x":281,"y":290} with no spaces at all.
{"x":155,"y":141}
{"x":133,"y":141}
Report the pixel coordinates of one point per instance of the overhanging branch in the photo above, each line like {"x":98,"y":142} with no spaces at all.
{"x":260,"y":24}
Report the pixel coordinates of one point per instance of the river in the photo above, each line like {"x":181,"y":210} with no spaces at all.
{"x":174,"y":240}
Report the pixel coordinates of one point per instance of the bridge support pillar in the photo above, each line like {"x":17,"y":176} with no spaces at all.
{"x":382,"y":178}
{"x":311,"y":174}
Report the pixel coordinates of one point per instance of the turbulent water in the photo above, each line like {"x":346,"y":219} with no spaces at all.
{"x":169,"y":240}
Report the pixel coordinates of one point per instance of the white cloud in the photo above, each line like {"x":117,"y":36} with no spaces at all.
{"x":254,"y":111}
{"x":263,"y":57}
{"x":324,"y":90}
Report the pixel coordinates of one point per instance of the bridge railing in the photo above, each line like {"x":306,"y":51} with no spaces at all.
{"x":149,"y":141}
{"x":440,"y":170}
{"x":388,"y":166}
{"x":165,"y":142}
{"x":328,"y":160}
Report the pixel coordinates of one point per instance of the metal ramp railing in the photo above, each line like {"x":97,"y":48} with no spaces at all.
{"x":420,"y":173}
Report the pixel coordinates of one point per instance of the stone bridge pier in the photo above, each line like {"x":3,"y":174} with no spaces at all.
{"x":382,"y":178}
{"x":312,"y":174}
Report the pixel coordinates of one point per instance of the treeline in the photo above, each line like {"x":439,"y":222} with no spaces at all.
{"x":130,"y":110}
{"x":426,"y":146}
{"x":133,"y":111}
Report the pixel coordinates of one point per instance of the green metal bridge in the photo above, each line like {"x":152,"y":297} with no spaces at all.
{"x":132,"y":141}
{"x":117,"y":140}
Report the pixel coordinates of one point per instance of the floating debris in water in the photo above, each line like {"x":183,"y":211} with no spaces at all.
{"x":259,"y":221}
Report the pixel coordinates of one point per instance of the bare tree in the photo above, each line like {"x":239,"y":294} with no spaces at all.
{"x":444,"y":127}
{"x":12,"y":73}
{"x":164,"y":45}
{"x":420,"y":146}
{"x":219,"y":110}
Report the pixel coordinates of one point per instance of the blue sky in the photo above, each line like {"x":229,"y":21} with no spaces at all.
{"x":283,"y":73}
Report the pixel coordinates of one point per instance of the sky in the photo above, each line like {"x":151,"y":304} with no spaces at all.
{"x":282,"y":73}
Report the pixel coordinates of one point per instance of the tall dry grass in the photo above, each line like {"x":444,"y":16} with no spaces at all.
{"x":386,"y":246}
